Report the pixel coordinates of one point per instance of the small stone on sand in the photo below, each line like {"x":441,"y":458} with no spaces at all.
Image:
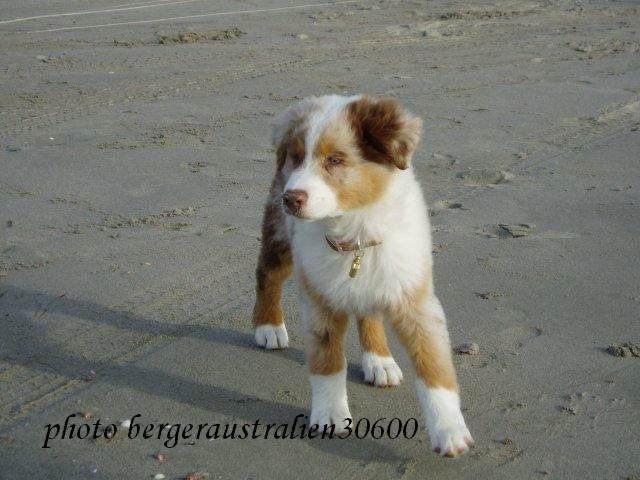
{"x":515,"y":230}
{"x":467,"y":349}
{"x":488,"y":295}
{"x":624,"y":349}
{"x":571,"y":410}
{"x":485,"y":177}
{"x":197,"y":476}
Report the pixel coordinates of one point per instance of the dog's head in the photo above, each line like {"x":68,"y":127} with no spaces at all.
{"x":338,"y":154}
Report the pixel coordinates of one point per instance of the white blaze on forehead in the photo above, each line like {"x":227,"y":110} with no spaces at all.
{"x":322,"y":200}
{"x":331,"y":106}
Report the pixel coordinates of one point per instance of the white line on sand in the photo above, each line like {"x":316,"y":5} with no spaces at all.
{"x":186,"y":17}
{"x":147,"y":2}
{"x":106,"y":10}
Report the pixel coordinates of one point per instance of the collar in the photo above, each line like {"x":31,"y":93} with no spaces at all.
{"x":350,"y":246}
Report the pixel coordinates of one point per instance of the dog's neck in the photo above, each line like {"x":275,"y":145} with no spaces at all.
{"x":370,"y":224}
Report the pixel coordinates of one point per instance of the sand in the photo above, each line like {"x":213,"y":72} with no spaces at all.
{"x":134,"y":162}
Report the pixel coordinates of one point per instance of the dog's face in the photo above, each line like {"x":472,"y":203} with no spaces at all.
{"x":337,"y":154}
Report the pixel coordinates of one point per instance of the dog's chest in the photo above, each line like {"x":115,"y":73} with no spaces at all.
{"x":387,"y":273}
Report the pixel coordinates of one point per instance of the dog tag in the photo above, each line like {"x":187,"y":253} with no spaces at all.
{"x":355,"y":265}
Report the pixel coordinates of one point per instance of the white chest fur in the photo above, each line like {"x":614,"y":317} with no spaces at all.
{"x":389,"y":271}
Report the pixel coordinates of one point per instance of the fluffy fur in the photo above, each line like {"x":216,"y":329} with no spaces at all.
{"x":344,"y":171}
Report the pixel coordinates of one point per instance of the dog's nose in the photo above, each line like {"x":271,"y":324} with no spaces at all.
{"x":294,"y":199}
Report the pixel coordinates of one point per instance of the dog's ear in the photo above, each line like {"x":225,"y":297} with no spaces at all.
{"x":289,"y":126}
{"x":384,"y":132}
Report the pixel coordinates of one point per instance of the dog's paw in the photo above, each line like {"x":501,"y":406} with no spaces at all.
{"x":272,"y":336}
{"x":326,"y":415}
{"x":451,"y":440}
{"x":381,"y":371}
{"x":329,"y":405}
{"x":446,"y":426}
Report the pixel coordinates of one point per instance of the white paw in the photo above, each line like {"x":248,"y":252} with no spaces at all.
{"x":448,"y":432}
{"x":451,"y":440}
{"x":329,"y":404}
{"x":381,"y":371}
{"x":272,"y":336}
{"x":327,"y":415}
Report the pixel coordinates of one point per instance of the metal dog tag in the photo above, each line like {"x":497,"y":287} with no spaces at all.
{"x":355,"y":265}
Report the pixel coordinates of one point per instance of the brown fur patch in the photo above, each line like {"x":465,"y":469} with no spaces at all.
{"x":365,"y":185}
{"x":424,"y":334}
{"x":290,"y":129}
{"x":357,"y":182}
{"x":372,"y":336}
{"x":292,"y":147}
{"x":325,"y":353}
{"x":383,"y":131}
{"x":274,"y":263}
{"x":330,"y":144}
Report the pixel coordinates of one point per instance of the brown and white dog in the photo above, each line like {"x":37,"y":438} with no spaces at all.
{"x":346,"y":214}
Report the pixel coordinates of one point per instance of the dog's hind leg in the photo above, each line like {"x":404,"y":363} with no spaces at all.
{"x":422,"y":328}
{"x":378,"y":365}
{"x":274,"y":267}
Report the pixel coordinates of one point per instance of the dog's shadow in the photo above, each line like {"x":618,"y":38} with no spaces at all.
{"x":26,"y":307}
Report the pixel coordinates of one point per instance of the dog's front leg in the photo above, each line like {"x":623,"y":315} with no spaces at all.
{"x":422,"y":328}
{"x":378,"y":365}
{"x":274,"y":266}
{"x":324,"y":331}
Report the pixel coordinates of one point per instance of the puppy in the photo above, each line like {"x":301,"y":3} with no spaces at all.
{"x":347,"y":216}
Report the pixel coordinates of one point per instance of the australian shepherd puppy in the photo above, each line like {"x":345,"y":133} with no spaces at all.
{"x":346,"y":215}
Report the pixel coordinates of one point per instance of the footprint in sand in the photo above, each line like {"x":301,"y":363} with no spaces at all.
{"x":484,"y":177}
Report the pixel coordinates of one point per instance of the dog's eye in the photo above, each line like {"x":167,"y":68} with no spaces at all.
{"x":334,"y":160}
{"x":296,"y":158}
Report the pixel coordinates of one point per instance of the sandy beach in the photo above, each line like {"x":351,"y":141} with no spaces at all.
{"x":134,"y":164}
